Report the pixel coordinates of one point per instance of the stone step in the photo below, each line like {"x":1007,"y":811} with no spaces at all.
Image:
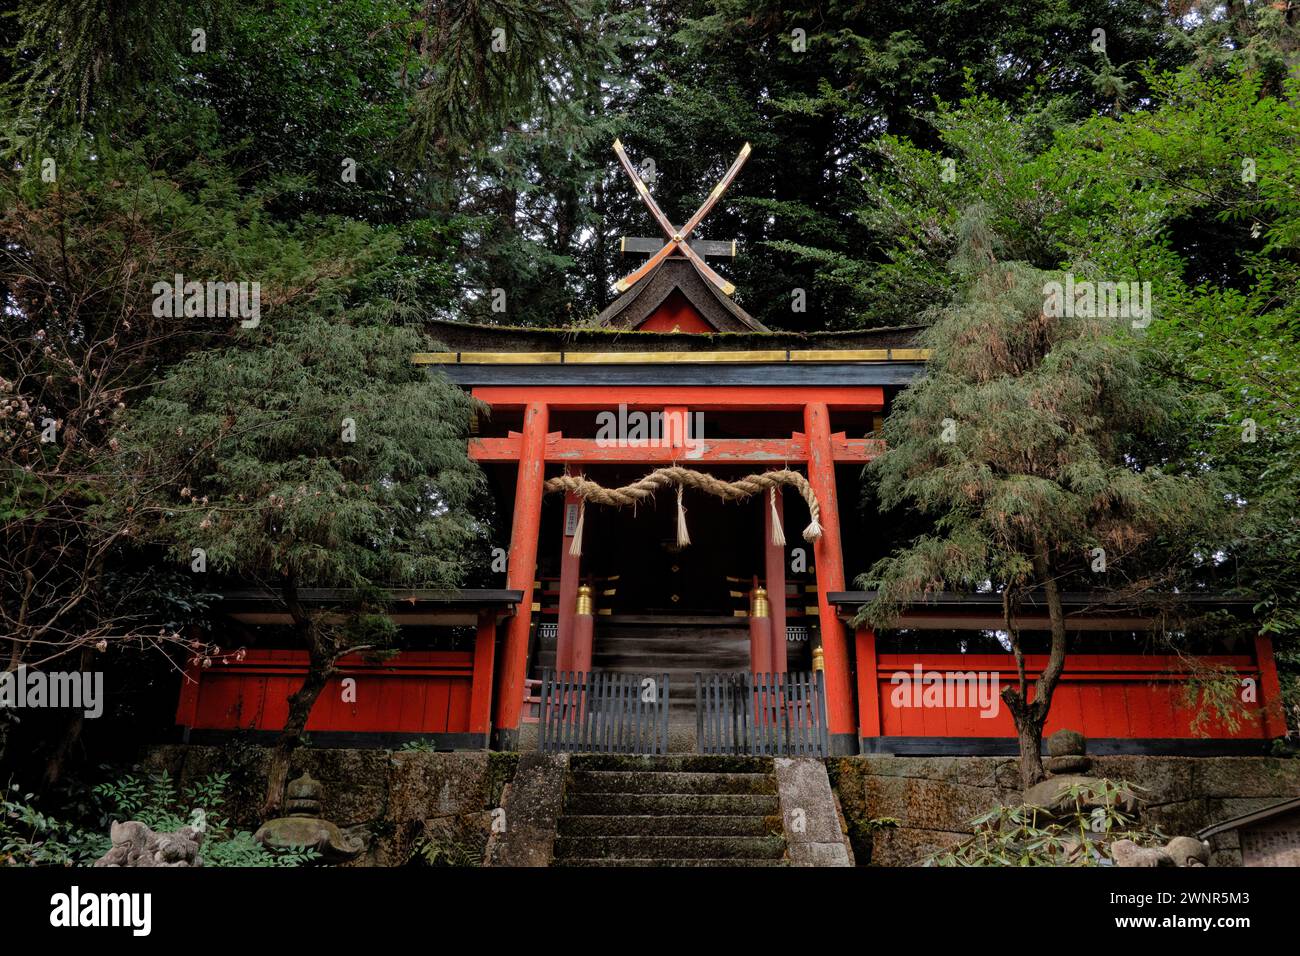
{"x":599,"y":861}
{"x":672,"y":804}
{"x":676,"y":763}
{"x":667,"y":825}
{"x":670,"y":847}
{"x":618,"y":781}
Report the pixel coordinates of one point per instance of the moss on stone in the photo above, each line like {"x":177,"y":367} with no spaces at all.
{"x":501,"y":770}
{"x":671,"y":763}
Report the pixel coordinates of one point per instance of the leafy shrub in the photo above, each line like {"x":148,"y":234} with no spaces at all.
{"x":29,"y":837}
{"x":418,"y":746}
{"x":1029,"y":836}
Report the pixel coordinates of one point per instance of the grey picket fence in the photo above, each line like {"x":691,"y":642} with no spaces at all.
{"x":762,"y":714}
{"x":602,"y":712}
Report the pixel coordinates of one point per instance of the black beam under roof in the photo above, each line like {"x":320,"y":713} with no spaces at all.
{"x":457,"y":336}
{"x":1074,"y":599}
{"x":247,"y":599}
{"x":721,"y":373}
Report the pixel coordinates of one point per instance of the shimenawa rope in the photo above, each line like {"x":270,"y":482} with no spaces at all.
{"x":682,"y":478}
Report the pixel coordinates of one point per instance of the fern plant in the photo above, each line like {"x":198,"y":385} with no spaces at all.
{"x":29,"y":837}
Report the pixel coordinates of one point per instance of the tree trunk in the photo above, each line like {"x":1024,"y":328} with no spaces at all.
{"x":1030,"y":735}
{"x":320,"y":667}
{"x":4,"y":735}
{"x":600,"y":270}
{"x":69,"y":736}
{"x":1030,"y":717}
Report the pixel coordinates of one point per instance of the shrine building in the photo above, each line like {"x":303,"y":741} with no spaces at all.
{"x":685,"y":514}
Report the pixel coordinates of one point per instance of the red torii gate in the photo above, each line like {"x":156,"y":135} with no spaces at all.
{"x":816,"y":447}
{"x":675,"y":289}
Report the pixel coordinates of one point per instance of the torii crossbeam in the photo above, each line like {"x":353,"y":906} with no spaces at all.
{"x":678,"y":238}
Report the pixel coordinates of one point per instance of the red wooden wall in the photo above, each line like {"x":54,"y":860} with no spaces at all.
{"x":1100,"y":695}
{"x":415,"y":692}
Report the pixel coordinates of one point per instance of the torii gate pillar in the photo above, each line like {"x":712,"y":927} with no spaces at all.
{"x":521,"y":572}
{"x":829,"y":559}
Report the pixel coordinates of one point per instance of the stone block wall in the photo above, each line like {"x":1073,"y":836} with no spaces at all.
{"x":934,"y":798}
{"x":397,"y":801}
{"x":400,"y":801}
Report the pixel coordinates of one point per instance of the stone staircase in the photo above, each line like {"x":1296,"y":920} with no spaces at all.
{"x":679,"y":810}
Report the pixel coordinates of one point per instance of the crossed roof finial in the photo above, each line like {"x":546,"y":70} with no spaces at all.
{"x":678,"y":239}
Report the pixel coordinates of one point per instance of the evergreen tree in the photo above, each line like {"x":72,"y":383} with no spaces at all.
{"x":1260,"y":38}
{"x":1200,"y":197}
{"x":81,"y":343}
{"x":1194,"y":194}
{"x":313,"y":455}
{"x":1019,"y":441}
{"x":812,"y":86}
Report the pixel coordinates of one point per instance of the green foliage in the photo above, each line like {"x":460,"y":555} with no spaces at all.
{"x":815,"y":117}
{"x":1196,"y":194}
{"x":29,"y":837}
{"x":254,"y":459}
{"x":297,"y":88}
{"x":1261,"y":40}
{"x":1213,"y":694}
{"x":81,"y":344}
{"x":454,"y":853}
{"x":1019,"y":441}
{"x":1228,"y":327}
{"x":1027,"y":836}
{"x":504,"y":153}
{"x":417,"y":746}
{"x":77,"y":56}
{"x":456,"y":842}
{"x":492,"y":63}
{"x":914,"y":199}
{"x":1201,"y":197}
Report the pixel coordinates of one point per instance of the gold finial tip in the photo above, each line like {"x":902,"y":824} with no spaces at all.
{"x":618,"y":143}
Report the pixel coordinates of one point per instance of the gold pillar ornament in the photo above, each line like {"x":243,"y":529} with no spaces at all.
{"x":758,"y":606}
{"x":586,"y":603}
